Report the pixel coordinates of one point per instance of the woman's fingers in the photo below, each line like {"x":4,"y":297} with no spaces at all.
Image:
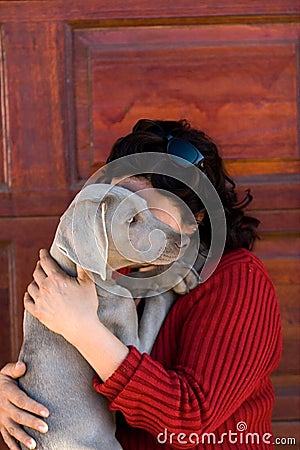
{"x":20,"y":417}
{"x":14,"y":370}
{"x":9,"y":440}
{"x":15,"y":432}
{"x":15,"y":409}
{"x":39,"y":275}
{"x":14,"y":395}
{"x":48,"y":264}
{"x":33,"y":289}
{"x":18,"y":398}
{"x":29,"y":304}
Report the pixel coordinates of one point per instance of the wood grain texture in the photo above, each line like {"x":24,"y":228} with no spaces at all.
{"x":263,"y":166}
{"x":35,"y":85}
{"x":287,"y":405}
{"x":239,"y":83}
{"x":7,"y":282}
{"x":99,"y":10}
{"x":284,"y":430}
{"x":20,"y":241}
{"x":280,"y":254}
{"x":37,"y":154}
{"x":4,"y":145}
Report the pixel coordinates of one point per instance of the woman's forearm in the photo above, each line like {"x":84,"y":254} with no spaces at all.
{"x":103,"y":351}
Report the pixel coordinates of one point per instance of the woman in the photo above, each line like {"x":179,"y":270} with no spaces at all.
{"x":207,"y":382}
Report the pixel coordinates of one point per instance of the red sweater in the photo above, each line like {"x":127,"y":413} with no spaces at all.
{"x":209,"y":370}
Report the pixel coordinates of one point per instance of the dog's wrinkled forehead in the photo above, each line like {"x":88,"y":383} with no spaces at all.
{"x":101,"y":192}
{"x":127,"y":203}
{"x":114,"y":198}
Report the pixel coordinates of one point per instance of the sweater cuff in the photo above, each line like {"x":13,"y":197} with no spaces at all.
{"x":121,"y":376}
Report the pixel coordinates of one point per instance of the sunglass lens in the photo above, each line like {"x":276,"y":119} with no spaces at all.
{"x":185,"y":150}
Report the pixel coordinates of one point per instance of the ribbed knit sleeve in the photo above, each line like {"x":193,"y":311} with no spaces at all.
{"x":227,"y":342}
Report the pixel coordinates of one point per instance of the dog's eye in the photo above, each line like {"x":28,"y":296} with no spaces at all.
{"x":132,"y":219}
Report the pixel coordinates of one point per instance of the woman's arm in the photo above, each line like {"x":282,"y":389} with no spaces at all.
{"x":17,"y":409}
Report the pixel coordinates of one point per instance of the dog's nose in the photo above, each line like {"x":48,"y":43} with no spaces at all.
{"x":182,"y":242}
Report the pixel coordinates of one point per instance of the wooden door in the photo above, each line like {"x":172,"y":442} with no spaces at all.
{"x":75,"y":76}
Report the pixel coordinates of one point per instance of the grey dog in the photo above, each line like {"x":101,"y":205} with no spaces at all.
{"x":103,"y":229}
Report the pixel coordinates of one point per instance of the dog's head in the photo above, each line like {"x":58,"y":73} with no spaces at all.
{"x":108,"y":227}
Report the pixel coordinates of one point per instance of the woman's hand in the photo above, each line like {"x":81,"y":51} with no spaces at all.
{"x":62,"y":303}
{"x":68,"y":306}
{"x":15,"y":409}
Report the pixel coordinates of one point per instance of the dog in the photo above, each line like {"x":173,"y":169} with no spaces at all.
{"x":105,"y":227}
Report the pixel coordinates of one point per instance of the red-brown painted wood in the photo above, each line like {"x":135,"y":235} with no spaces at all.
{"x":61,"y":10}
{"x":74,"y":78}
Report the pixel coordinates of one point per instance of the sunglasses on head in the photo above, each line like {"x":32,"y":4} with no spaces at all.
{"x":175,"y":146}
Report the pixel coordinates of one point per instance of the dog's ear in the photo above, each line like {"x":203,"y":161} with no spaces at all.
{"x":82,"y":233}
{"x":102,"y":241}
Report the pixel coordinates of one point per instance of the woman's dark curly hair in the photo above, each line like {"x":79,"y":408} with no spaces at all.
{"x":241,"y":229}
